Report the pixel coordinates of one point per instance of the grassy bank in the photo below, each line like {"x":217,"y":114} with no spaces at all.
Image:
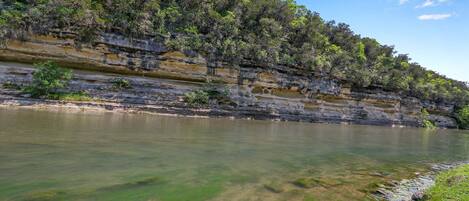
{"x":451,"y":185}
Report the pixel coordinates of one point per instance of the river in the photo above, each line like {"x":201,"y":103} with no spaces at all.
{"x":54,"y":155}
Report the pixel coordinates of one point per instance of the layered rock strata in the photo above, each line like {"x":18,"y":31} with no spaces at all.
{"x":160,"y":78}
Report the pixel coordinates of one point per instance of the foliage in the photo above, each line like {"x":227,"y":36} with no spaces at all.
{"x":428,"y":124}
{"x":197,"y":98}
{"x":19,"y":18}
{"x":425,"y":121}
{"x":463,"y":117}
{"x":214,"y":93}
{"x":11,"y":85}
{"x":261,"y":33}
{"x":451,"y":185}
{"x":67,"y":96}
{"x":48,"y":79}
{"x":121,"y":83}
{"x":206,"y":94}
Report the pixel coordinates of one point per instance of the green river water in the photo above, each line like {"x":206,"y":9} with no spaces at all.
{"x":47,"y":156}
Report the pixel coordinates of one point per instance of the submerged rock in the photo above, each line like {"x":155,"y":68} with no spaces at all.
{"x":274,"y":187}
{"x":307,"y":182}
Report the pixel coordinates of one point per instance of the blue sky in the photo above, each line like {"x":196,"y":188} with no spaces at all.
{"x":435,"y":33}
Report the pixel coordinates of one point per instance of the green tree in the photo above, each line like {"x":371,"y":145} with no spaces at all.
{"x":463,"y":117}
{"x":48,"y":79}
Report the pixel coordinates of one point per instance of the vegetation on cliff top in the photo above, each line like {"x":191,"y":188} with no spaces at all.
{"x":260,"y":32}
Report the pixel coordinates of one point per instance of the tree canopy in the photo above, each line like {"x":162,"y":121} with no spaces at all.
{"x":263,"y":32}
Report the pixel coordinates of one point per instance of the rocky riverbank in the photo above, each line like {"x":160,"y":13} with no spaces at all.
{"x":414,"y":189}
{"x":160,"y":78}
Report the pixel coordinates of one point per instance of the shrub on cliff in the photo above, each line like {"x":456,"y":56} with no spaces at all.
{"x":216,"y":93}
{"x":463,"y":117}
{"x":48,"y":79}
{"x":121,"y":83}
{"x":197,"y":98}
{"x":209,"y":92}
{"x":427,"y":123}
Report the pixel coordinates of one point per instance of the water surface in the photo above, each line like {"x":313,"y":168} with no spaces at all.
{"x":109,"y":156}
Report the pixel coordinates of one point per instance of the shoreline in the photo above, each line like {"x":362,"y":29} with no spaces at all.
{"x":103,"y":106}
{"x":414,"y":189}
{"x":100,"y":106}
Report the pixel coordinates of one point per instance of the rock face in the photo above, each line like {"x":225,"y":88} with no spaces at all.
{"x":161,"y":77}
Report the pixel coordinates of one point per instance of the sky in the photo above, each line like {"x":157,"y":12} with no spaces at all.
{"x":434,"y":33}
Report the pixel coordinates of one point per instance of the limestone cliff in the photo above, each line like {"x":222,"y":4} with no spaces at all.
{"x":161,"y":77}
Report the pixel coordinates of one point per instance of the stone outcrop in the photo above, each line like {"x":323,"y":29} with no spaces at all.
{"x":161,"y":78}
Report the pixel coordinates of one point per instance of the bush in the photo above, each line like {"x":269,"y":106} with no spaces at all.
{"x":208,"y":92}
{"x":197,"y":98}
{"x":11,"y":85}
{"x":425,"y":121}
{"x":48,"y":79}
{"x":463,"y":117}
{"x":121,"y":83}
{"x":215,"y":93}
{"x":428,"y":124}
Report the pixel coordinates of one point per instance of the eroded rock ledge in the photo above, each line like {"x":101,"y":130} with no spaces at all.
{"x":160,"y":78}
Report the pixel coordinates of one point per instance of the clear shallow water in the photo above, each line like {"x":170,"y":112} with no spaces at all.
{"x":78,"y":156}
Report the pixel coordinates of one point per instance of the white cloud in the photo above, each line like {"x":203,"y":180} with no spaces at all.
{"x":402,"y":2}
{"x":428,"y":3}
{"x":434,"y":17}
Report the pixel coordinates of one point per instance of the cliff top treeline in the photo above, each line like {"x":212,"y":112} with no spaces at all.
{"x":264,"y":32}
